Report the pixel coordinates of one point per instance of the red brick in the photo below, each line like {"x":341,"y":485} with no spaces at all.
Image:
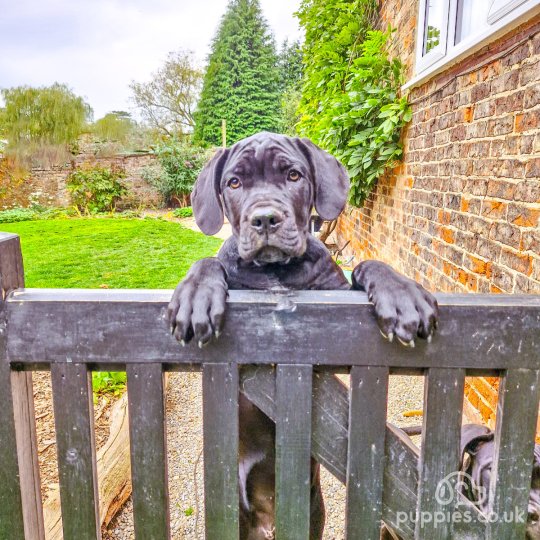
{"x":506,"y":82}
{"x":467,"y":114}
{"x":532,"y":169}
{"x":517,"y":261}
{"x":518,"y":55}
{"x":486,"y":108}
{"x":532,"y":96}
{"x":530,"y":241}
{"x":501,"y":189}
{"x":500,"y":126}
{"x":494,"y":209}
{"x":530,"y":72}
{"x":506,"y":234}
{"x":511,"y":103}
{"x":523,"y":216}
{"x":476,"y":265}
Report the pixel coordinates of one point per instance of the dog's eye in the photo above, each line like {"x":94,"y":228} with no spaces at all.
{"x":234,"y":183}
{"x":293,"y":175}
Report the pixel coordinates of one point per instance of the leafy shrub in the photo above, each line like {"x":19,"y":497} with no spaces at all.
{"x":108,"y":382}
{"x":186,"y":211}
{"x":30,"y":214}
{"x":365,"y":129}
{"x":178,"y":168}
{"x":96,"y":189}
{"x":350,"y":101}
{"x":17,"y":214}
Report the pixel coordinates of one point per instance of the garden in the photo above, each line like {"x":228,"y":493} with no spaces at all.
{"x":106,"y":203}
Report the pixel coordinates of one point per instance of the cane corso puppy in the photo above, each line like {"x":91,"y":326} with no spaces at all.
{"x":477,"y":450}
{"x":267,"y":186}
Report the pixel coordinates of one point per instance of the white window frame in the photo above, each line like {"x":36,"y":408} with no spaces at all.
{"x":502,"y":17}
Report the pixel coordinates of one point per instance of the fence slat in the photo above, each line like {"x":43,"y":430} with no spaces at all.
{"x":517,"y":413}
{"x":220,"y":430}
{"x":11,"y":514}
{"x":19,"y":410}
{"x":293,"y":451}
{"x":440,"y":455}
{"x":74,"y":423}
{"x":365,"y":463}
{"x":148,"y":451}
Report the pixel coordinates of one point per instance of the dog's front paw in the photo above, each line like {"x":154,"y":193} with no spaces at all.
{"x":404,"y":309}
{"x":197,"y":307}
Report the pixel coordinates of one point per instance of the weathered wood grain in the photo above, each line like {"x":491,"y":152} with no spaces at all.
{"x":220,"y":431}
{"x":148,"y":451}
{"x":517,"y":413}
{"x":97,"y":327}
{"x":440,"y":457}
{"x":329,"y":444}
{"x":76,"y":452}
{"x":368,"y":395}
{"x":114,"y":479}
{"x":17,"y":413}
{"x":293,"y":451}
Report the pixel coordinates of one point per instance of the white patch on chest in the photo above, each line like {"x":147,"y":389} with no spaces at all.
{"x":244,"y":468}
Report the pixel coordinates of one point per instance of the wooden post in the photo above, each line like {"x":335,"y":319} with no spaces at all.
{"x":224,"y":133}
{"x":17,"y":411}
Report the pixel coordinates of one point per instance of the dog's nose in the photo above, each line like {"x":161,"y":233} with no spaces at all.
{"x":266,"y":220}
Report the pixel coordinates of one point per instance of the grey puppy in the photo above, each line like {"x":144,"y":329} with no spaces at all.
{"x":477,"y":450}
{"x":267,"y":186}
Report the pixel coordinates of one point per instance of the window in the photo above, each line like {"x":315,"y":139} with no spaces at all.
{"x":450,"y":28}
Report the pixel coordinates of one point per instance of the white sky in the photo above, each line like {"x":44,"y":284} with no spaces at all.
{"x":97,"y":47}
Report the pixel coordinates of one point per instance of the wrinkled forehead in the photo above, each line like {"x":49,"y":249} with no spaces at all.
{"x":264,"y":157}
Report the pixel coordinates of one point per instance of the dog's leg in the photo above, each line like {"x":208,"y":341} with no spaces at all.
{"x":403,"y":307}
{"x":197,"y":306}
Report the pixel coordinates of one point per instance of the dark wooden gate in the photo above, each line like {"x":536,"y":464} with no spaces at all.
{"x":282,"y":352}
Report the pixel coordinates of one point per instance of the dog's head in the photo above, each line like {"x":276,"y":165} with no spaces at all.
{"x":267,"y":185}
{"x":477,"y":450}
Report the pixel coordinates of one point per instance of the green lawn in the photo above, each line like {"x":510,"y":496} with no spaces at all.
{"x":118,"y":253}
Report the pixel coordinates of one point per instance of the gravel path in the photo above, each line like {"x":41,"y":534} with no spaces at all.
{"x":184,"y":438}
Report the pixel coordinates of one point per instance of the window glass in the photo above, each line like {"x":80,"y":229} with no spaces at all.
{"x":434,"y":23}
{"x":471,"y":17}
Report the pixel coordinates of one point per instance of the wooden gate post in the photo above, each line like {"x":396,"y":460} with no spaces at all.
{"x":21,"y":514}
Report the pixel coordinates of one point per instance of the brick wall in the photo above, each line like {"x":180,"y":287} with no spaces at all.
{"x":462,"y":211}
{"x":50,"y":182}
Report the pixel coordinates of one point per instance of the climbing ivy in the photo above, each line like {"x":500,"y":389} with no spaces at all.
{"x":351,"y":103}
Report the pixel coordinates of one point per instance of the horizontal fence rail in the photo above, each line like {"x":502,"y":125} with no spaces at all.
{"x":281,"y":350}
{"x":484,"y":332}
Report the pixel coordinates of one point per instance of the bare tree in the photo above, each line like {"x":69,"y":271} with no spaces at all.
{"x":168,"y":100}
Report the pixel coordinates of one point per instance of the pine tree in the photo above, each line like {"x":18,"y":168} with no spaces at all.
{"x":241,"y":84}
{"x":290,"y":65}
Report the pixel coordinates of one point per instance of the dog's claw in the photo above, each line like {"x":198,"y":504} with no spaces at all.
{"x":430,"y":338}
{"x":217,"y":333}
{"x":183,"y":343}
{"x":389,"y":337}
{"x":407,"y":344}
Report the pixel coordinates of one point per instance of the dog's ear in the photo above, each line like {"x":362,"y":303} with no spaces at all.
{"x":330,"y":178}
{"x":206,"y":196}
{"x":472,"y":435}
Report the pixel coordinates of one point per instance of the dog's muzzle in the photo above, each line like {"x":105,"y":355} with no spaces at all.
{"x":270,"y":235}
